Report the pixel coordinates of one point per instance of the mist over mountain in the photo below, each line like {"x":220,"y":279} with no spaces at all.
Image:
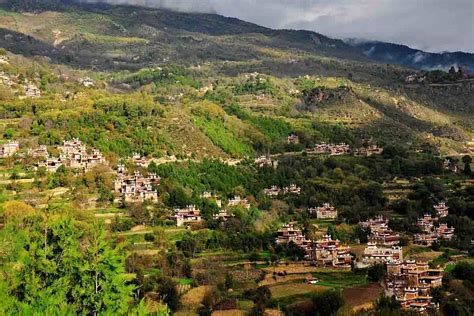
{"x":414,"y":58}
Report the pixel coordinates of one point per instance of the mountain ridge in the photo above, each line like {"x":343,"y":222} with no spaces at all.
{"x":413,"y":58}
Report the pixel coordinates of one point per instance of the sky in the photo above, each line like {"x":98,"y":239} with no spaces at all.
{"x":430,"y":25}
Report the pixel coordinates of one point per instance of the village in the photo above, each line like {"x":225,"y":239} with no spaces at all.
{"x":408,"y":278}
{"x":410,"y":281}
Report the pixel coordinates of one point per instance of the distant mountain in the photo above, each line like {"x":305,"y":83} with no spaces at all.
{"x":132,"y":37}
{"x":413,"y":58}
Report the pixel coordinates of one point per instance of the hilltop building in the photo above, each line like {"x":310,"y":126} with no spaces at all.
{"x":376,"y":223}
{"x":327,"y":211}
{"x":332,"y":149}
{"x":427,"y":223}
{"x":186,"y":216}
{"x":293,"y":139}
{"x":209,"y":196}
{"x":387,"y":238}
{"x":9,"y":149}
{"x":4,"y":60}
{"x":223,"y":215}
{"x":450,"y":166}
{"x":373,"y":254}
{"x":75,"y":155}
{"x":237,"y":201}
{"x":327,"y":252}
{"x":273,"y":191}
{"x":40,"y":152}
{"x":441,"y":209}
{"x":137,"y":188}
{"x":380,"y":233}
{"x":411,"y":283}
{"x":292,"y":189}
{"x":370,"y":150}
{"x":263,"y":161}
{"x":32,"y":91}
{"x":289,"y":233}
{"x":139,"y":160}
{"x":87,"y":82}
{"x":51,"y":163}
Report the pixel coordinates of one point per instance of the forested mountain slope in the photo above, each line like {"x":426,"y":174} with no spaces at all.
{"x":182,"y":63}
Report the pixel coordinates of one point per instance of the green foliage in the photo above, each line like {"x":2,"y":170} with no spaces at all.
{"x":257,"y":84}
{"x":327,"y":303}
{"x":376,"y":272}
{"x":464,"y":271}
{"x":171,"y":75}
{"x":52,"y":265}
{"x":222,"y":137}
{"x":210,"y":175}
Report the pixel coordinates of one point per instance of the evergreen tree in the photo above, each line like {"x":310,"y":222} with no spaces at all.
{"x":52,"y":267}
{"x":467,"y":164}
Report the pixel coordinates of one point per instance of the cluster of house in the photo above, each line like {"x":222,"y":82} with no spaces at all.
{"x":139,"y":160}
{"x":9,"y":149}
{"x":186,"y":216}
{"x":450,"y":165}
{"x":327,"y":211}
{"x":411,"y":283}
{"x":370,"y":150}
{"x":29,"y":89}
{"x":432,"y":230}
{"x":7,"y":79}
{"x":414,"y":78}
{"x":73,"y":154}
{"x":331,"y":149}
{"x":263,"y":161}
{"x":136,"y":188}
{"x":325,"y":252}
{"x":274,"y":191}
{"x":289,"y":233}
{"x":237,"y":201}
{"x":380,"y":233}
{"x":191,"y":215}
{"x":4,"y":60}
{"x":293,"y":139}
{"x":344,"y":149}
{"x":87,"y":82}
{"x":374,"y":254}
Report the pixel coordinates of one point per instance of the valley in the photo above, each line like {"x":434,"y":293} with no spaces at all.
{"x":155,"y":162}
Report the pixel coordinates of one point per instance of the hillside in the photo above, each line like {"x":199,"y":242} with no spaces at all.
{"x":188,"y":61}
{"x":131,"y":37}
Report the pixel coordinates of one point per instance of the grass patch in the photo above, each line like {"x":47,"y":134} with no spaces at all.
{"x":185,"y":281}
{"x":295,"y":289}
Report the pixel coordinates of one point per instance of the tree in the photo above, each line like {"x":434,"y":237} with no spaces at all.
{"x":467,"y":164}
{"x":387,"y":305}
{"x":102,"y":287}
{"x":17,"y":211}
{"x":165,"y":287}
{"x":327,"y":303}
{"x":376,"y":272}
{"x":260,"y":296}
{"x":54,"y":267}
